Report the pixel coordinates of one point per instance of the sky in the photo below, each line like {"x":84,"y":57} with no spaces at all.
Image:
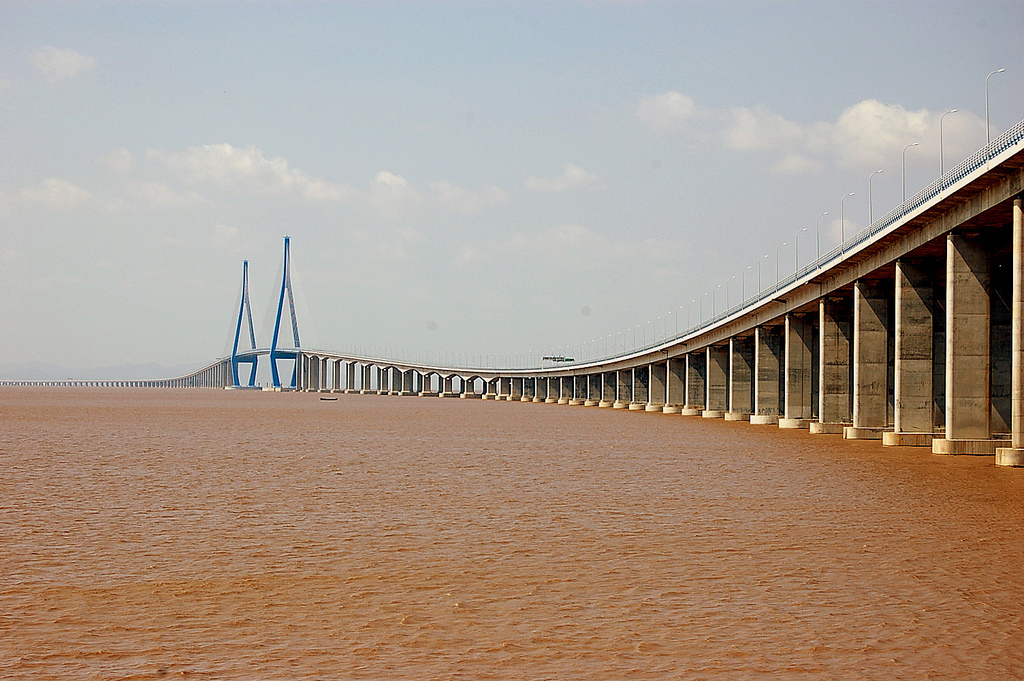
{"x":476,"y":181}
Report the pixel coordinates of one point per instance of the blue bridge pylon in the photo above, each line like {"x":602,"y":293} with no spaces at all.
{"x":244,"y":311}
{"x":251,"y":356}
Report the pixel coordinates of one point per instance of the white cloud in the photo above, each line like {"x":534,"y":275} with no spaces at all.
{"x":867,"y":134}
{"x":669,"y":110}
{"x":572,"y":176}
{"x":582,"y":245}
{"x":56,"y":193}
{"x":761,"y":130}
{"x":796,"y":164}
{"x":120,"y":161}
{"x":57,"y":65}
{"x":249,"y":171}
{"x":156,"y":195}
{"x":461,"y":200}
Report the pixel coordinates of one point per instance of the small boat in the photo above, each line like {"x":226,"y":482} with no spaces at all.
{"x":328,"y":399}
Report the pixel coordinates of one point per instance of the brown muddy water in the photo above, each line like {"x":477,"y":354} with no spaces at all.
{"x":199,"y":534}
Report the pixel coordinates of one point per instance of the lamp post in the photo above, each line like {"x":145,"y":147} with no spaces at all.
{"x":871,"y":203}
{"x":912,"y":144}
{"x":743,"y":284}
{"x":688,"y":325}
{"x":988,"y":127}
{"x":728,"y":298}
{"x":817,"y":234}
{"x":842,"y":222}
{"x":796,"y":249}
{"x":702,"y":307}
{"x":714,"y":301}
{"x":942,"y":167}
{"x":777,"y":249}
{"x":759,"y":289}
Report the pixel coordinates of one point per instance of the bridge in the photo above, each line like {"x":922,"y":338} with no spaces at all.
{"x":910,"y":332}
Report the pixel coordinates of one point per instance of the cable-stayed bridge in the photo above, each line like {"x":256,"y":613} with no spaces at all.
{"x":910,"y":331}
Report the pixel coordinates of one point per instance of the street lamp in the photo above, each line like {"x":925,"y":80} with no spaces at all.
{"x":777,"y":249}
{"x":912,"y":144}
{"x":743,"y":284}
{"x":871,"y":203}
{"x":759,"y":289}
{"x":942,"y":167}
{"x":842,"y":222}
{"x":988,"y":128}
{"x":817,"y":234}
{"x":796,"y":249}
{"x":702,"y":307}
{"x":714,"y":301}
{"x":728,"y":300}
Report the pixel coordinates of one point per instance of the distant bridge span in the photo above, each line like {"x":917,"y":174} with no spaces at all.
{"x":911,"y":331}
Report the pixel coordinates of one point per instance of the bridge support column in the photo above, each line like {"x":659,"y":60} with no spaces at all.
{"x":591,"y":397}
{"x":798,"y":340}
{"x":870,"y":361}
{"x":675,"y":382}
{"x":504,"y":387}
{"x":469,"y":389}
{"x":640,"y":378}
{"x":446,"y":387}
{"x":696,"y":383}
{"x":741,"y":387}
{"x":529,"y":385}
{"x":1014,"y":454}
{"x":717,"y":401}
{"x":656,"y":386}
{"x":623,"y":388}
{"x":490,"y":389}
{"x":767,"y":375}
{"x":408,"y":387}
{"x":337,"y":376}
{"x":607,"y":389}
{"x":516,"y":389}
{"x":835,"y":324}
{"x":968,"y":320}
{"x":913,"y":387}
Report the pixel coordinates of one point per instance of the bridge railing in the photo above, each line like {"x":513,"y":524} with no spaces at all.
{"x":960,"y":172}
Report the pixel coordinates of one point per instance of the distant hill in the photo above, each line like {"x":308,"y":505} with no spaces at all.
{"x":41,"y":371}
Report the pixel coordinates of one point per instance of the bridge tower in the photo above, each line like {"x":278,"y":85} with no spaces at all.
{"x":244,"y":312}
{"x":293,"y":353}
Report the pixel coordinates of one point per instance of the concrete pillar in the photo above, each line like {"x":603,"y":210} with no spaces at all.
{"x":1014,"y":454}
{"x":870,"y":360}
{"x":913,"y":386}
{"x":835,"y":342}
{"x":675,"y":385}
{"x":741,"y":384}
{"x":967,"y":348}
{"x":768,"y":380}
{"x":656,"y":386}
{"x":641,"y":376}
{"x":607,"y":389}
{"x":623,"y":388}
{"x":798,"y":338}
{"x":337,"y":376}
{"x":407,"y":387}
{"x":504,"y":387}
{"x":427,"y":385}
{"x":516,"y":392}
{"x":540,"y":389}
{"x":469,"y":389}
{"x":696,"y":383}
{"x":592,"y":390}
{"x":717,"y":401}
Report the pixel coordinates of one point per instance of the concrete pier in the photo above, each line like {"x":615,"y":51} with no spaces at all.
{"x":968,"y":407}
{"x":870,"y":360}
